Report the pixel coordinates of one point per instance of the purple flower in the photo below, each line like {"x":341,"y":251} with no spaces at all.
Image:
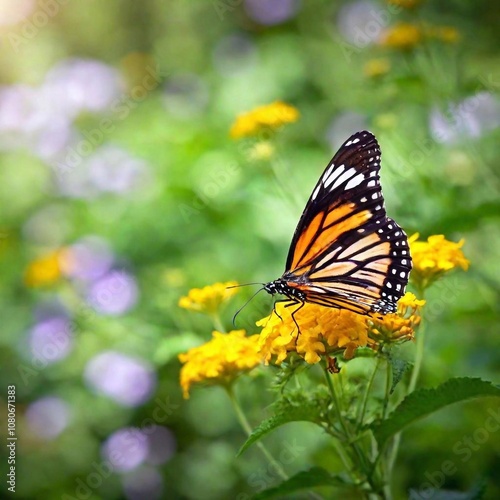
{"x":51,"y":339}
{"x":127,"y":380}
{"x":28,"y":121}
{"x":143,"y":482}
{"x":53,"y":138}
{"x":162,"y":444}
{"x":76,"y":85}
{"x":48,"y":417}
{"x":88,"y":259}
{"x":85,"y":173}
{"x":271,"y":12}
{"x":471,"y":117}
{"x":114,"y":293}
{"x":112,"y":169}
{"x":363,"y":22}
{"x":125,"y":449}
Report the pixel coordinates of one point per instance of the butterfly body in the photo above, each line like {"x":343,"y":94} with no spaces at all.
{"x":346,"y":253}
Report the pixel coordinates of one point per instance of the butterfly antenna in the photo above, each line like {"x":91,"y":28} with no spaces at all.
{"x":247,"y":302}
{"x":244,"y":284}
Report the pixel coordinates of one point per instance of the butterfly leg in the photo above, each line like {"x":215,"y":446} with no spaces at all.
{"x":274,"y":308}
{"x":292,"y":303}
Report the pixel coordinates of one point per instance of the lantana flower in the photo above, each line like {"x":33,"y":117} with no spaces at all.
{"x":434,"y":257}
{"x":323,"y":330}
{"x":406,"y":36}
{"x":268,"y":117}
{"x":209,"y":298}
{"x":44,"y":270}
{"x":219,"y":361}
{"x":397,"y":327}
{"x":402,"y":36}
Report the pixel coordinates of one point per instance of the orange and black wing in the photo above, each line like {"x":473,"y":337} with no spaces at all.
{"x":345,"y":251}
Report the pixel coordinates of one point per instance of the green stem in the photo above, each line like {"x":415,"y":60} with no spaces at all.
{"x":419,"y":356}
{"x":361,"y":458}
{"x":365,"y":397}
{"x":217,"y":322}
{"x":248,"y":430}
{"x":388,"y":383}
{"x":336,"y":403}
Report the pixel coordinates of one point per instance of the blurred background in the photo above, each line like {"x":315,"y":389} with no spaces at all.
{"x":121,"y":189}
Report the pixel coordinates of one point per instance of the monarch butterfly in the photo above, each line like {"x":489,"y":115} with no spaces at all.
{"x":346,"y":253}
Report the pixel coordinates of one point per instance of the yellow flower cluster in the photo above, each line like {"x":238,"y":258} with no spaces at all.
{"x":406,"y":36}
{"x":220,"y":360}
{"x":322,"y":330}
{"x":209,"y":298}
{"x":398,"y":327}
{"x":267,"y":117}
{"x":434,"y":257}
{"x":45,"y":270}
{"x":402,"y":36}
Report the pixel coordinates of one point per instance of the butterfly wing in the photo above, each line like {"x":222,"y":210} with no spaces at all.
{"x":345,"y":251}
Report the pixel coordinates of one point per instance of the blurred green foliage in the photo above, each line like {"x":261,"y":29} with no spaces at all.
{"x":206,"y":212}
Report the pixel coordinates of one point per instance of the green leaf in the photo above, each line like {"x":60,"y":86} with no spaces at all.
{"x":296,"y":407}
{"x":399,"y":368}
{"x":316,"y":476}
{"x":423,"y":402}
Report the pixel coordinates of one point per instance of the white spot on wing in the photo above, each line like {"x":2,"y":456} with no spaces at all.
{"x":355,"y":181}
{"x":371,"y":184}
{"x":315,"y":192}
{"x":328,"y":179}
{"x":348,"y":173}
{"x":354,"y":141}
